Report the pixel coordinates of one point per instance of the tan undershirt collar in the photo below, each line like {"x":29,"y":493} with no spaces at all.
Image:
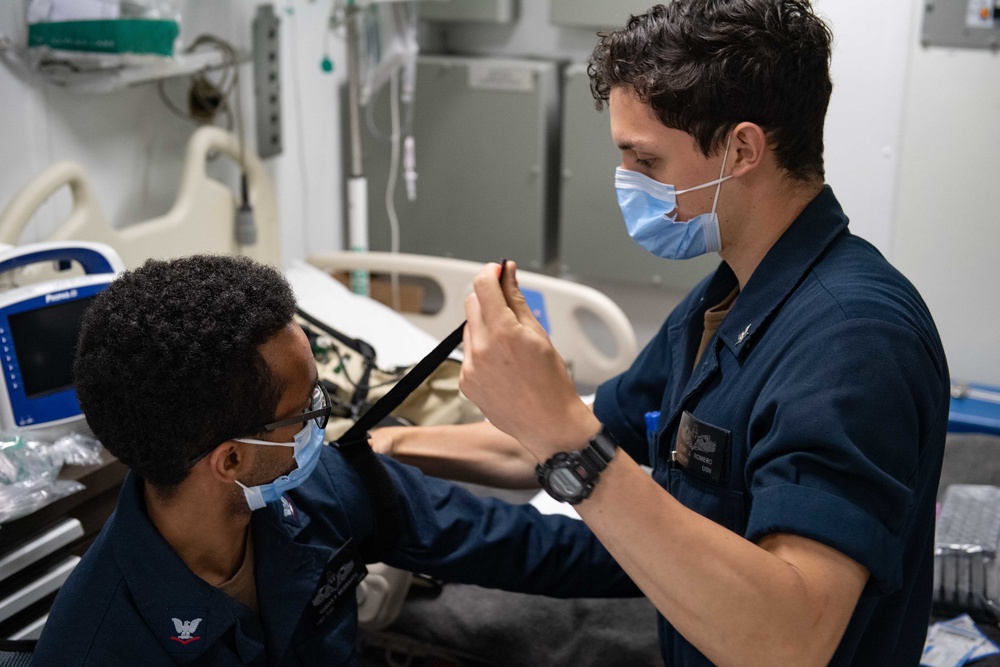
{"x":243,"y":586}
{"x":713,"y":320}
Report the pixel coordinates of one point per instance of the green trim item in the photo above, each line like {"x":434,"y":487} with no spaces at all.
{"x":151,"y":36}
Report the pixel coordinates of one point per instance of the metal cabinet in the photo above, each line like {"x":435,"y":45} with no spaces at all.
{"x":487,"y":11}
{"x":595,"y":13}
{"x":38,"y":552}
{"x":485,"y":131}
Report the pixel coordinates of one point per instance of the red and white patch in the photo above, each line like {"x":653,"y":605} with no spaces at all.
{"x":185,"y":631}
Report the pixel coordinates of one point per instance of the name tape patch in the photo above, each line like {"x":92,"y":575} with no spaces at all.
{"x":702,"y":449}
{"x":340,"y":577}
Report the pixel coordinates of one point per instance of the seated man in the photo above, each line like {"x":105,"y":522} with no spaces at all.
{"x":193,"y":373}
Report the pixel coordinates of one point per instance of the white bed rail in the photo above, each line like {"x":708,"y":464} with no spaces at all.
{"x":573,"y":310}
{"x":202,"y":220}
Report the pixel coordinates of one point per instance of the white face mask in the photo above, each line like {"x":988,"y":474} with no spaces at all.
{"x":307,"y":450}
{"x":650,"y":211}
{"x":306,"y":444}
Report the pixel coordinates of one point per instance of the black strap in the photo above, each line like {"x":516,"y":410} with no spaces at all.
{"x":354,"y":446}
{"x":385,"y":405}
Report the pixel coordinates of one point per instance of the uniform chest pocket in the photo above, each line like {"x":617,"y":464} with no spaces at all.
{"x":723,"y":506}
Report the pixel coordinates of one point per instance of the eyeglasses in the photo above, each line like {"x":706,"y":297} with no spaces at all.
{"x":319,"y":410}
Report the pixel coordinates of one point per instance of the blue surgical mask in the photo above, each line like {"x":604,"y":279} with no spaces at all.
{"x":650,"y":211}
{"x":308,"y":443}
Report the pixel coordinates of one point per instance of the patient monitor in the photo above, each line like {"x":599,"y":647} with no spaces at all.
{"x":39,"y":326}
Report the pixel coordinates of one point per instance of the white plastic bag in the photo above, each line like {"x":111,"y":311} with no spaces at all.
{"x":28,"y":477}
{"x":40,"y":11}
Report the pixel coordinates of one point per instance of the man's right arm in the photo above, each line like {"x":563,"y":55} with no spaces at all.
{"x":478,"y":453}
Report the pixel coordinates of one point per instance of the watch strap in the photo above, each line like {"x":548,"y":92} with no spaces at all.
{"x":601,"y":449}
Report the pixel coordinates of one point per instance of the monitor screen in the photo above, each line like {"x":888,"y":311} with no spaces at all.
{"x":45,"y":344}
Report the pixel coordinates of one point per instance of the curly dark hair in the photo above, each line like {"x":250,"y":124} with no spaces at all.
{"x":705,"y":66}
{"x":167,"y":365}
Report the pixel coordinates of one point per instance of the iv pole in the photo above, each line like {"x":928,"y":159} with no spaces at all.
{"x":357,"y":184}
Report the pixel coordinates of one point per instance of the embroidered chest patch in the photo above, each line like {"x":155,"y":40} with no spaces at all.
{"x":184,"y":629}
{"x":340,"y":577}
{"x":702,"y":449}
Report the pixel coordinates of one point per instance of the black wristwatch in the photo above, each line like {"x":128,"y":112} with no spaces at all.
{"x":570,"y":477}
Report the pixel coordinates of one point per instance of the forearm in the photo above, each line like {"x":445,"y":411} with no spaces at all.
{"x":737,"y":602}
{"x":477,"y":453}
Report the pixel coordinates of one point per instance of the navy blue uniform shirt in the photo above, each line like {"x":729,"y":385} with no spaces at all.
{"x":132,"y":601}
{"x":818,"y":409}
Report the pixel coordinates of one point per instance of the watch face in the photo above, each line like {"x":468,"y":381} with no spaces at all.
{"x":564,"y":483}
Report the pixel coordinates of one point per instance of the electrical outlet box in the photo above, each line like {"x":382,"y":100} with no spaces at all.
{"x":267,"y":80}
{"x":973,"y":24}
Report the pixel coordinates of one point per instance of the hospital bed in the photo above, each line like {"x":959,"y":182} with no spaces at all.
{"x":589,"y":330}
{"x":469,"y":624}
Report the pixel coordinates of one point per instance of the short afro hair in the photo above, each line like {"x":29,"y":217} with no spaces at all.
{"x":705,"y":66}
{"x":168,"y":363}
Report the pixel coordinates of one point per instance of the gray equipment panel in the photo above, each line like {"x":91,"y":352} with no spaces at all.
{"x":267,"y":80}
{"x":592,"y":236}
{"x":484,"y":11}
{"x":595,"y":13}
{"x":971,"y":24}
{"x":486,"y":174}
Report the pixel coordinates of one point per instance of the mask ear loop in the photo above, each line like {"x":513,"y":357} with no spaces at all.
{"x":725,"y":158}
{"x":717,"y":182}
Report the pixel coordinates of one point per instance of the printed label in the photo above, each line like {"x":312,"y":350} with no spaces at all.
{"x":702,"y":449}
{"x":341,"y":576}
{"x":485,"y":76}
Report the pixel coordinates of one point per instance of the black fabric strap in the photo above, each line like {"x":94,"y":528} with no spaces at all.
{"x":385,"y":405}
{"x":354,"y":446}
{"x":382,"y":494}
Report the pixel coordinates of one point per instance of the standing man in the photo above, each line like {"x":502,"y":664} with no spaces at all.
{"x":802,"y":389}
{"x":239,"y":537}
